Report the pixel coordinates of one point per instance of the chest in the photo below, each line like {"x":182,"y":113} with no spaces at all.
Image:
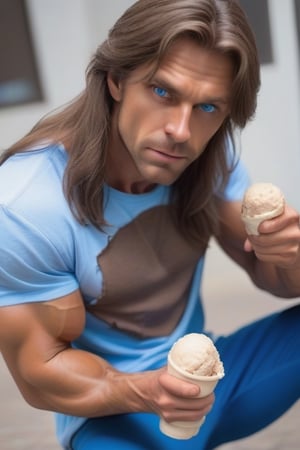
{"x":138,"y":280}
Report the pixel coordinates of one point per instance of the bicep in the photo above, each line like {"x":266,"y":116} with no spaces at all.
{"x":32,"y":334}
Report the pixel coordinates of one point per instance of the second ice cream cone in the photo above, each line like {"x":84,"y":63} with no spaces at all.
{"x":207,"y":384}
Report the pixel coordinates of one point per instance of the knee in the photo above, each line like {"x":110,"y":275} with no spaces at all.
{"x":292,"y":315}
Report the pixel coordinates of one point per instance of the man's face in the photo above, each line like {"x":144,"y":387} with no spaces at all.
{"x":160,"y":126}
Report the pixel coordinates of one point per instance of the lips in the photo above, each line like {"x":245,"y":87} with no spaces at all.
{"x":166,"y":153}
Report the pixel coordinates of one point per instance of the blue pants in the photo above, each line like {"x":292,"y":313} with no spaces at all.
{"x":262,"y":366}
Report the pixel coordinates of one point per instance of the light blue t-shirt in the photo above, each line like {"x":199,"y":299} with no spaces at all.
{"x":46,"y":254}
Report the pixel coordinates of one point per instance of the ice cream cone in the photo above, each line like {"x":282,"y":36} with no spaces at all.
{"x":183,"y":429}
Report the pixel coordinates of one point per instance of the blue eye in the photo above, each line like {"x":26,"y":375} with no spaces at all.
{"x":207,"y":107}
{"x":161,"y":92}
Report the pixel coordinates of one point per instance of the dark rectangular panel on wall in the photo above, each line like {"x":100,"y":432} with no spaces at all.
{"x":258,"y":15}
{"x":19,"y":79}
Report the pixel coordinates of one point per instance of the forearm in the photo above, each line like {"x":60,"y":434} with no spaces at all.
{"x":79,"y":383}
{"x":279,"y":281}
{"x":290,"y":282}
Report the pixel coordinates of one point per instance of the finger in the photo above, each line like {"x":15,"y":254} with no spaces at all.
{"x":178,"y":387}
{"x":195,"y":404}
{"x":188,"y":410}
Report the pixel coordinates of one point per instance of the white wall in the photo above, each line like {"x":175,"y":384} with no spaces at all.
{"x":271,"y":143}
{"x":101,"y":15}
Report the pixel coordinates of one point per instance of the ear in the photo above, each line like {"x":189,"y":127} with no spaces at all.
{"x":115,"y":87}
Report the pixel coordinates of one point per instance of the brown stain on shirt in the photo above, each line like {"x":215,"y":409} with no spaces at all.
{"x":147,"y":271}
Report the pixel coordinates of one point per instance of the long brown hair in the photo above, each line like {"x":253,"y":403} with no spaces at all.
{"x":143,"y":34}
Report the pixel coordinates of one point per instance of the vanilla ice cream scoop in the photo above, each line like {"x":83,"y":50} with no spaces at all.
{"x":262,"y":201}
{"x":196,"y":354}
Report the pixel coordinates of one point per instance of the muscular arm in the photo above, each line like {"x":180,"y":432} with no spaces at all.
{"x":271,"y":259}
{"x":35,"y":342}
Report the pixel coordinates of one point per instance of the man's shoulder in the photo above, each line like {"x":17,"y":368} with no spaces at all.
{"x":31,"y":176}
{"x":31,"y":189}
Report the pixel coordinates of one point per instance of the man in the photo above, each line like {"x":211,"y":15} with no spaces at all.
{"x":107,"y":208}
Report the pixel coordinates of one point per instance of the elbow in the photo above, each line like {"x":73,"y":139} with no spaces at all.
{"x":33,"y":397}
{"x":35,"y":402}
{"x":28,"y":384}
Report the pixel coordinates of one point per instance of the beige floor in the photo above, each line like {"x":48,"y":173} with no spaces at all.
{"x":230,"y":301}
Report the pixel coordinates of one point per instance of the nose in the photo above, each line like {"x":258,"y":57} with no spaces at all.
{"x":178,"y":123}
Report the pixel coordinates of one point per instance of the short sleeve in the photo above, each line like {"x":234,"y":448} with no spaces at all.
{"x":32,"y":268}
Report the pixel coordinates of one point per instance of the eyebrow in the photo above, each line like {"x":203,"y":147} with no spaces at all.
{"x":164,"y":84}
{"x":173,"y":90}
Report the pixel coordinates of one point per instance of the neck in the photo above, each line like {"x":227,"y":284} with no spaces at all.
{"x":130,"y":187}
